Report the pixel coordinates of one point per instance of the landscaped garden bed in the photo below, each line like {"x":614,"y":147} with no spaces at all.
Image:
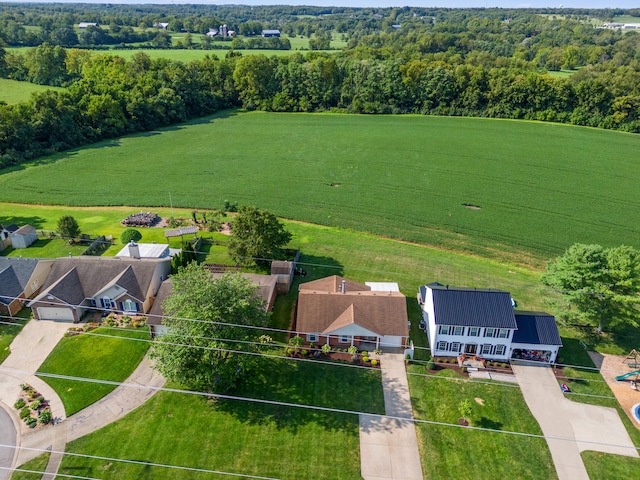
{"x":112,"y":320}
{"x":34,"y":409}
{"x":298,"y":349}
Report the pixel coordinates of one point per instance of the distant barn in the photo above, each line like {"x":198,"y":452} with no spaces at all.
{"x":270,"y":33}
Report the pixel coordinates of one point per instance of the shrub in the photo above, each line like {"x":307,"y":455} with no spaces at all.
{"x":19,"y":404}
{"x":25,"y":412}
{"x":364,"y":353}
{"x":130,"y":234}
{"x":304,"y":353}
{"x":31,"y":422}
{"x":378,"y":351}
{"x":374,"y":362}
{"x":45,"y":416}
{"x":504,"y":365}
{"x":290,"y":351}
{"x":431,"y":365}
{"x":365,"y":359}
{"x":312,"y":345}
{"x":142,"y":321}
{"x":463,"y":369}
{"x":296,"y":341}
{"x":326,"y":348}
{"x":135,"y":324}
{"x":352,"y":350}
{"x":35,"y":405}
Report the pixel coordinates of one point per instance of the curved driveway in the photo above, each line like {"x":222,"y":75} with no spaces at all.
{"x":8,"y":436}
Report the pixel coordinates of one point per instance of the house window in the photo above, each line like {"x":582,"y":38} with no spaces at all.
{"x":503,"y":333}
{"x":486,"y":349}
{"x":490,"y":332}
{"x":344,"y":338}
{"x":441,"y":346}
{"x":105,"y":302}
{"x":312,"y":337}
{"x":500,"y":349}
{"x":474,"y":331}
{"x":455,"y":347}
{"x":458,"y":330}
{"x":443,"y":329}
{"x":130,"y":306}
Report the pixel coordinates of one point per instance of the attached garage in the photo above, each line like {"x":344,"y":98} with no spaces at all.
{"x":59,"y":314}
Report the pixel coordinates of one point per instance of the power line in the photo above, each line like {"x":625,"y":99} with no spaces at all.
{"x":134,"y":462}
{"x":24,"y":470}
{"x":221,"y":396}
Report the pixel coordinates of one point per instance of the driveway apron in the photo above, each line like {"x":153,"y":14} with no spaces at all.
{"x":389,"y":446}
{"x":575,"y":427}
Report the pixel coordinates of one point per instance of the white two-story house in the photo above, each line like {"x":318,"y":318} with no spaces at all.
{"x":483,"y":322}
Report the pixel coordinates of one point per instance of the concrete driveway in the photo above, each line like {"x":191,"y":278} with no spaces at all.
{"x":8,"y":436}
{"x":28,"y":350}
{"x":575,"y":427}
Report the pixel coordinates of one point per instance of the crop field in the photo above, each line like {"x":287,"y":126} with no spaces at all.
{"x":491,"y":187}
{"x":12,"y":91}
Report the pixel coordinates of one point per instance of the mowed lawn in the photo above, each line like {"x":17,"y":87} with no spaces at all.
{"x":454,"y":452}
{"x":13,"y":91}
{"x":481,"y":185}
{"x":95,"y":357}
{"x":242,"y":437}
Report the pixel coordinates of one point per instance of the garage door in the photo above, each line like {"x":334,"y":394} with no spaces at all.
{"x":55,"y":313}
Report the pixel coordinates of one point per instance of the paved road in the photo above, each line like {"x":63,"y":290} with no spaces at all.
{"x":575,"y":427}
{"x":389,"y":446}
{"x":7,"y":437}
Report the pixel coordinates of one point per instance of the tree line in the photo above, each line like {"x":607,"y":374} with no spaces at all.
{"x":107,"y":96}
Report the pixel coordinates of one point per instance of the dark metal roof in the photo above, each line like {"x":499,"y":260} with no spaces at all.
{"x":536,"y":328}
{"x":471,"y":307}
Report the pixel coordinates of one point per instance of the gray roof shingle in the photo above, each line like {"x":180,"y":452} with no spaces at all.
{"x":536,"y":328}
{"x":472,"y":307}
{"x":14,"y":276}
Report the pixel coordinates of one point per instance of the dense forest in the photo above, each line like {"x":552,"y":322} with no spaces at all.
{"x":478,"y":62}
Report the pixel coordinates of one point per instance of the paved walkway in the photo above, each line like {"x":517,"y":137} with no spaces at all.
{"x":8,"y":436}
{"x":28,"y":350}
{"x":562,"y":418}
{"x":389,"y":446}
{"x":110,"y":408}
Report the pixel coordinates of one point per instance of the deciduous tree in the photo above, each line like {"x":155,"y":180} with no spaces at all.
{"x":206,"y":319}
{"x":256,"y":234}
{"x":600,"y":285}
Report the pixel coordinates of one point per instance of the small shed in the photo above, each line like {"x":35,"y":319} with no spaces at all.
{"x":23,"y":237}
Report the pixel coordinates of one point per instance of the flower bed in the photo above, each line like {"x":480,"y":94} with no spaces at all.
{"x":111,"y":320}
{"x":33,"y":409}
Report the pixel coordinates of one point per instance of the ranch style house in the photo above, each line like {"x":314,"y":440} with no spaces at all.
{"x":78,"y":285}
{"x":483,"y":323}
{"x":342,"y":312}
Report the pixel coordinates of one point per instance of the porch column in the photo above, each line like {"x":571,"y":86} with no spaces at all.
{"x":353,"y":337}
{"x":377,"y":343}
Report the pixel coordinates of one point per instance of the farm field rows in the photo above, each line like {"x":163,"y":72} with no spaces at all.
{"x":491,"y":187}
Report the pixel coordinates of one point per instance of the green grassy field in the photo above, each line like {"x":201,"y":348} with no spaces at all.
{"x":484,"y":455}
{"x":490,"y":187}
{"x":12,"y":91}
{"x":242,"y":437}
{"x":93,"y":357}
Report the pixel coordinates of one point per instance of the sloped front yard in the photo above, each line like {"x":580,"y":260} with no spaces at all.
{"x":458,"y":452}
{"x":242,"y":437}
{"x":98,"y":357}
